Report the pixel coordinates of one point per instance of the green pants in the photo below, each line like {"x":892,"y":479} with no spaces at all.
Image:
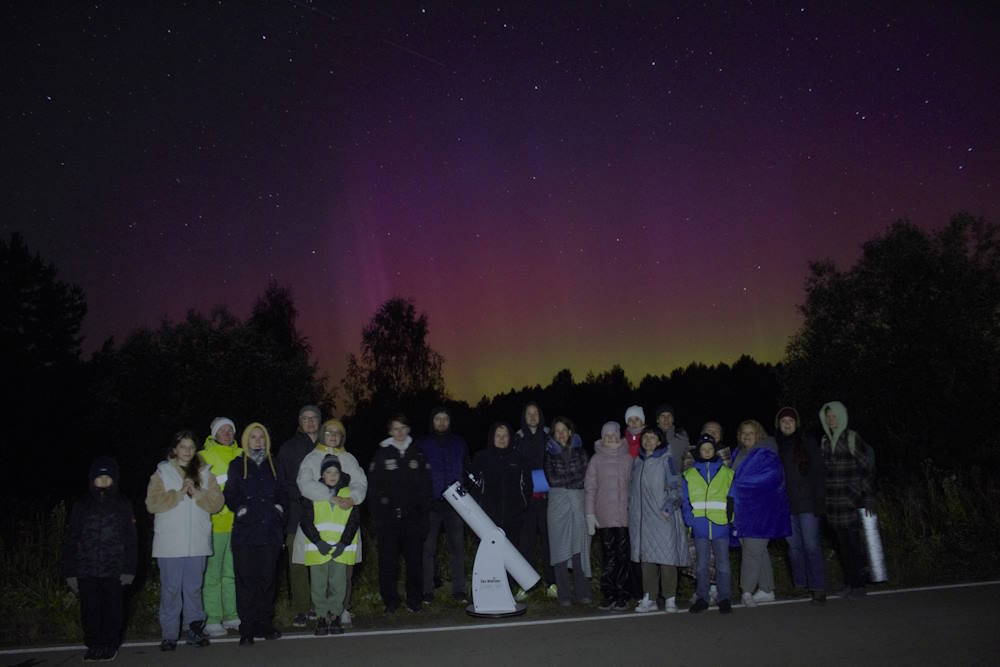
{"x":218,"y":593}
{"x":328,"y":582}
{"x":298,"y":580}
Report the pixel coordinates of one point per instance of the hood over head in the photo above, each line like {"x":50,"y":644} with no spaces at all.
{"x":837,"y":408}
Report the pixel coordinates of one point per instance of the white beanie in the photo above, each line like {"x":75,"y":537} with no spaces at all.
{"x":635,"y":411}
{"x":219,"y":422}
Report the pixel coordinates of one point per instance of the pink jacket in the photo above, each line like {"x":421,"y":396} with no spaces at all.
{"x":606,"y":485}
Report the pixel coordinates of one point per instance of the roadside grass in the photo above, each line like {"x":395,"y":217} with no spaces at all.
{"x":938,"y":529}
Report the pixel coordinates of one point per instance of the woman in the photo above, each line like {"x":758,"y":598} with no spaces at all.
{"x":565,"y":466}
{"x":332,"y":440}
{"x":255,"y":492}
{"x":805,"y":479}
{"x":182,"y":494}
{"x":399,"y":480}
{"x":850,"y":487}
{"x":760,"y":509}
{"x":504,"y":482}
{"x":656,"y":524}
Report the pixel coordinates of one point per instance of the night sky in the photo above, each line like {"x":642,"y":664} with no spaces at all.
{"x":570,"y":187}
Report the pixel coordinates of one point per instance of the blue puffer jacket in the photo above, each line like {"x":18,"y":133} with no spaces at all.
{"x":254,"y":500}
{"x":760,"y":502}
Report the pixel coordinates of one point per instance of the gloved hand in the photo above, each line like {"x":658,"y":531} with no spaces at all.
{"x":338,"y":549}
{"x":730,"y":509}
{"x":126,"y":579}
{"x":324,"y":547}
{"x":591,"y":524}
{"x":281,"y":510}
{"x":73,"y":583}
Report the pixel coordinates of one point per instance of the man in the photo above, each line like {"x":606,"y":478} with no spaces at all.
{"x":530,"y":441}
{"x":676,"y":438}
{"x":219,"y":590}
{"x":447,"y":454}
{"x":289,"y":459}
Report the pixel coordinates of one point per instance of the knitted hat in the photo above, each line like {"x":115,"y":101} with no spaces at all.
{"x":664,"y":407}
{"x":329,"y":461}
{"x":705,"y":437}
{"x":635,"y":411}
{"x":786,"y":411}
{"x":219,"y":422}
{"x":611,"y":427}
{"x":310,"y":408}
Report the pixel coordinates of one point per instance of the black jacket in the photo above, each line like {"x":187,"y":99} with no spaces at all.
{"x":253,"y":500}
{"x":805,"y":473}
{"x":100,"y":538}
{"x":505,"y":484}
{"x":290,"y":457}
{"x":399,"y":485}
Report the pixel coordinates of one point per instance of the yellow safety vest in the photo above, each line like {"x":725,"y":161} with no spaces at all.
{"x":708,"y":499}
{"x":217,"y":457}
{"x":330,"y":521}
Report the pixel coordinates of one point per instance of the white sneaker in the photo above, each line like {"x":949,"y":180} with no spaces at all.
{"x":645,"y":605}
{"x":215,"y":630}
{"x":671,"y":606}
{"x":345,"y":619}
{"x":522,"y":595}
{"x":552,"y":591}
{"x":713,"y":595}
{"x":748,"y":600}
{"x":763,"y":596}
{"x":231,"y":624}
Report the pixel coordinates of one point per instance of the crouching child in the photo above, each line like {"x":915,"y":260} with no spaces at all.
{"x":333,"y":544}
{"x":708,"y":511}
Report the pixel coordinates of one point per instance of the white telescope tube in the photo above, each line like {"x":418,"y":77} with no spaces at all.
{"x":873,"y":541}
{"x":486,"y":530}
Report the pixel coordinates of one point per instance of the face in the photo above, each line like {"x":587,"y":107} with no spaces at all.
{"x":399,"y":431}
{"x":531,"y":416}
{"x":786,"y":425}
{"x":714,"y":429}
{"x":665,"y":420}
{"x":257,"y":440}
{"x":184,"y":451}
{"x":309,"y":421}
{"x":650,"y":442}
{"x":331,"y":476}
{"x":561,"y":433}
{"x":441,"y":422}
{"x":103,"y":481}
{"x":332,"y":437}
{"x":831,"y":419}
{"x":634,"y":422}
{"x":611,"y":440}
{"x":501,"y":439}
{"x":747,"y":436}
{"x":225,"y":435}
{"x":707,"y":451}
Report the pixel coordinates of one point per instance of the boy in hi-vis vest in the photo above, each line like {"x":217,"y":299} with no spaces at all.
{"x":333,"y":543}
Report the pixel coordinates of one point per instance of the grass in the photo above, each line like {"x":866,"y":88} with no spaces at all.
{"x":938,"y":529}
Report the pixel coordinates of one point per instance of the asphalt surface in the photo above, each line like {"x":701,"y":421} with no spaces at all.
{"x":941,"y":626}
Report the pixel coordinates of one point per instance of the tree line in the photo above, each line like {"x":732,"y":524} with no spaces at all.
{"x":908,"y":338}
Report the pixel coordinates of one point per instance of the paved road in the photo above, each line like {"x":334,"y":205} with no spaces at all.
{"x":946,"y":626}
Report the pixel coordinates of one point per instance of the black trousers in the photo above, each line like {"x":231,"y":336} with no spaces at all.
{"x":101,"y":611}
{"x":853,"y":558}
{"x":615,"y":564}
{"x":255,"y":569}
{"x":535,"y":524}
{"x":400,"y":536}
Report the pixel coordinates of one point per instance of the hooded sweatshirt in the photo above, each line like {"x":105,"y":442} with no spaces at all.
{"x":100,"y":537}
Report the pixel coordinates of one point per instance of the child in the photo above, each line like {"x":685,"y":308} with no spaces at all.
{"x":656,"y":527}
{"x":333,"y":545}
{"x":606,"y":501}
{"x":99,"y":556}
{"x":708,"y":510}
{"x":635,"y":421}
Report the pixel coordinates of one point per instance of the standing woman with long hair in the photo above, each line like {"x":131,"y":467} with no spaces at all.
{"x":255,"y":492}
{"x":182,"y":495}
{"x":569,"y":542}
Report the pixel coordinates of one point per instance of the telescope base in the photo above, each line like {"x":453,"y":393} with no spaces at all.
{"x":519,"y":609}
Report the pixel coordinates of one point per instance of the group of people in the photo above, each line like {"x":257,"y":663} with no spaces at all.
{"x":657,"y":504}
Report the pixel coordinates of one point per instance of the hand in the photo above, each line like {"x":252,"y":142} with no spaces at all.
{"x":343,"y":503}
{"x":241,"y":511}
{"x":338,"y":549}
{"x":126,"y":579}
{"x":281,"y":510}
{"x":591,"y":524}
{"x":324,"y":547}
{"x":188,"y":487}
{"x":666,"y":514}
{"x":73,"y":583}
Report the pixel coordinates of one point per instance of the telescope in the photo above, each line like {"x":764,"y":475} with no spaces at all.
{"x":495,"y":557}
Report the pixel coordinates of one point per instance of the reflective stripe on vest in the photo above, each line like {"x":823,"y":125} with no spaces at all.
{"x":708,"y":505}
{"x":711,"y":494}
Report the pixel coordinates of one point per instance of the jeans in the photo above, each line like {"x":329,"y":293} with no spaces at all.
{"x":454,"y":528}
{"x":704,"y":548}
{"x":180,"y":591}
{"x":805,"y":554}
